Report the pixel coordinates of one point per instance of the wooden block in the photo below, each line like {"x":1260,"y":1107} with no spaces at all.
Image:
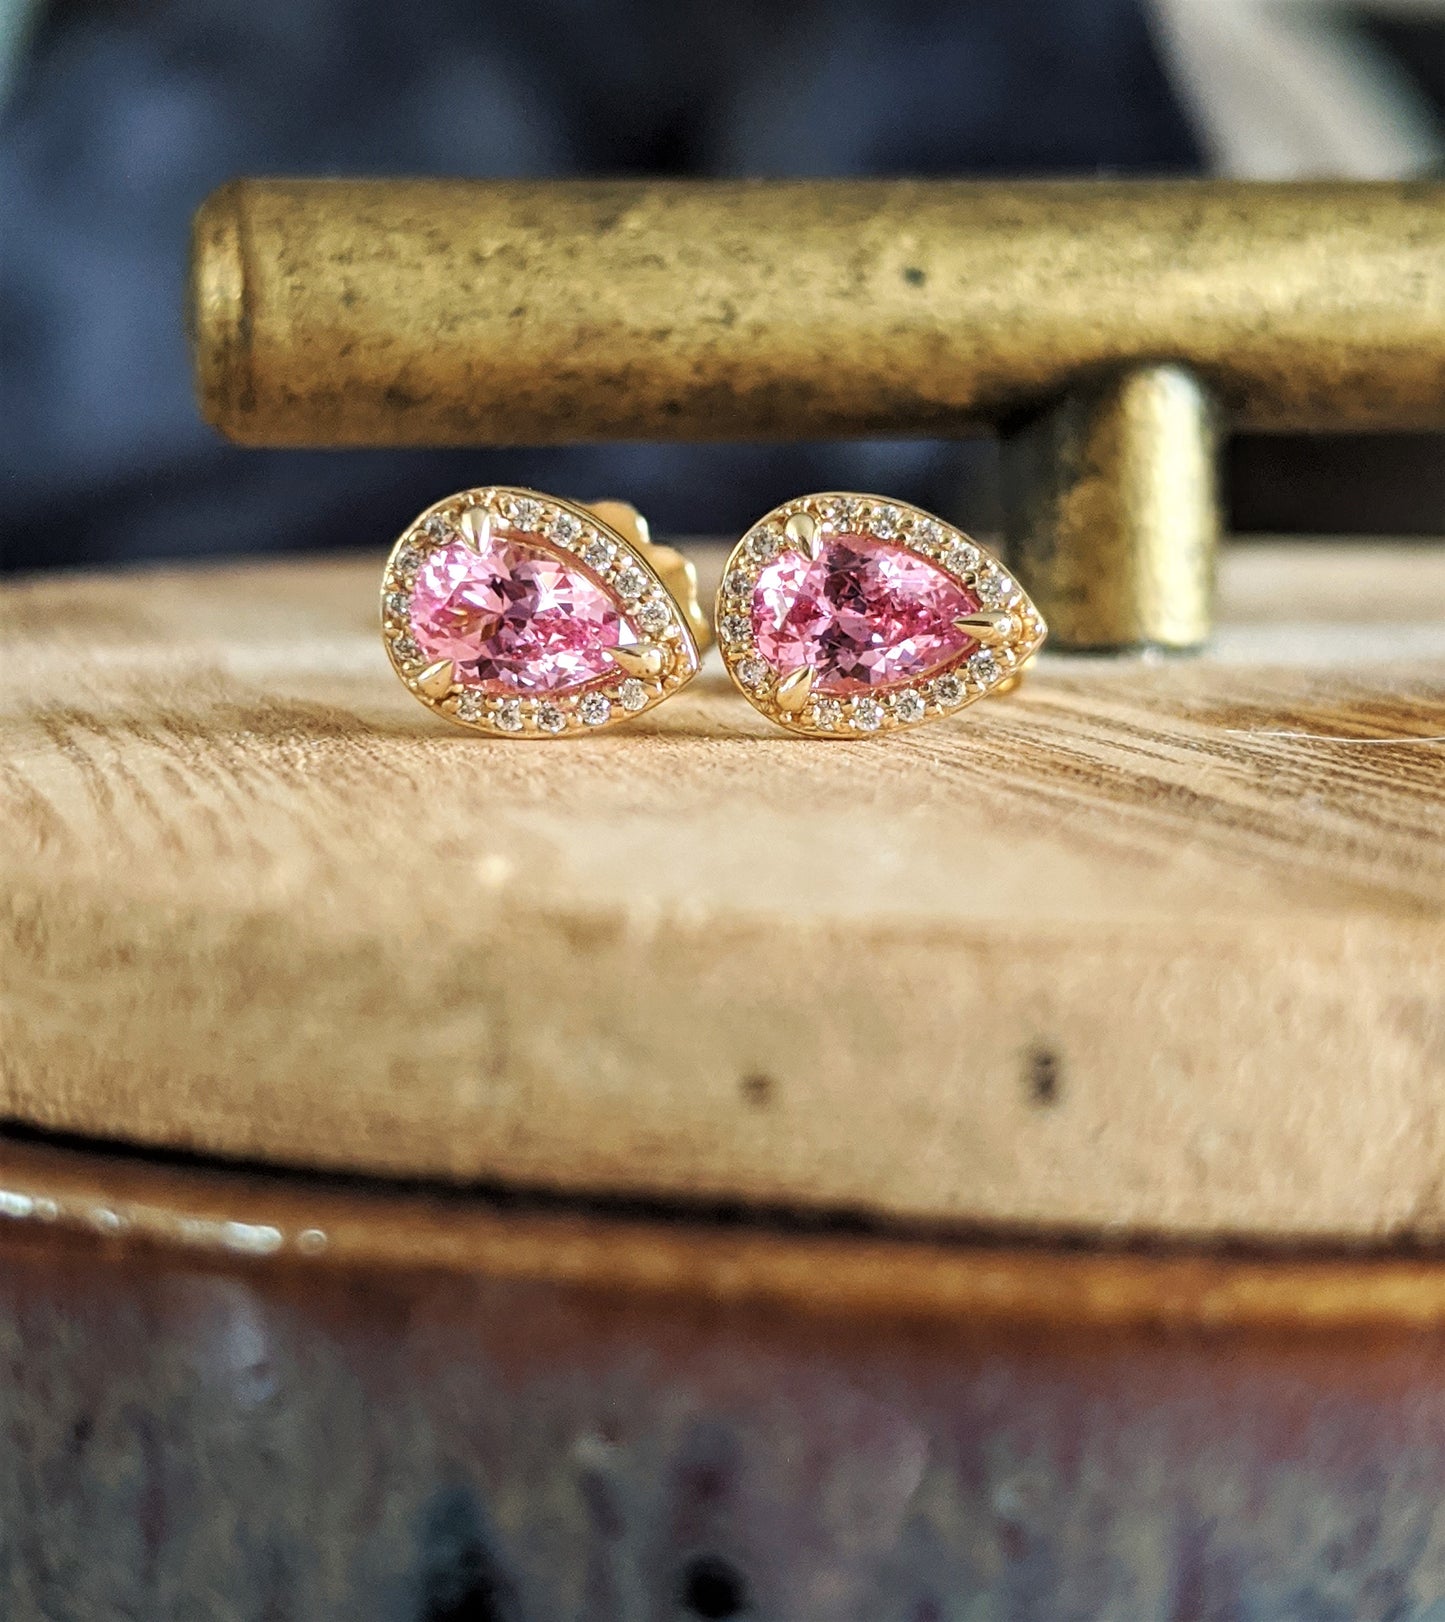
{"x":1123,"y":953}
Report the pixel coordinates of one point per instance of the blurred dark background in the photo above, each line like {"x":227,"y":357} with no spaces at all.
{"x":118,"y":116}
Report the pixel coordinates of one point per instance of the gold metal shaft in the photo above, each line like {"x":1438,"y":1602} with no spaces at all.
{"x":1108,"y":326}
{"x":404,"y":312}
{"x":1111,"y":511}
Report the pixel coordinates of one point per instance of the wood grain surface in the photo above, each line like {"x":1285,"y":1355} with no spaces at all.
{"x":1112,"y":955}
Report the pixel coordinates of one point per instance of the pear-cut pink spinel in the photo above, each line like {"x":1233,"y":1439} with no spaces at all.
{"x":515,"y":617}
{"x":862,"y":615}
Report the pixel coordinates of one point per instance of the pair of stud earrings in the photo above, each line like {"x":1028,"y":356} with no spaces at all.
{"x":523,"y":615}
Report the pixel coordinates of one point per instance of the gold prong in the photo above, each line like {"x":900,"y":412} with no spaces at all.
{"x":476,"y":527}
{"x":644,"y":659}
{"x":990,"y":627}
{"x":791,"y":693}
{"x":436,"y":680}
{"x":802,"y":533}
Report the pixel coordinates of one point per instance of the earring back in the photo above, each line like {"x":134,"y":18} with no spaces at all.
{"x":675,"y":571}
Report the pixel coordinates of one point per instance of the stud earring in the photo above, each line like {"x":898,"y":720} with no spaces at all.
{"x":845,"y":615}
{"x":520,"y":614}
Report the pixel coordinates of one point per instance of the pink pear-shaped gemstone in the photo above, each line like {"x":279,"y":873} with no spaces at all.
{"x":515,"y":616}
{"x":862,"y":615}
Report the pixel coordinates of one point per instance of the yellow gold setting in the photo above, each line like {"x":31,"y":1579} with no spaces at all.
{"x":1005,"y":631}
{"x":654,"y":588}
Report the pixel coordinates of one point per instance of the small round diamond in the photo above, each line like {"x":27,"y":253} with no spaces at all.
{"x":470,"y":704}
{"x":737,"y":583}
{"x":763,"y":546}
{"x":983,"y":668}
{"x":509,"y":715}
{"x":566,"y":528}
{"x":594,"y":708}
{"x":928,"y":534}
{"x":550,"y":719}
{"x":961,"y":559}
{"x":837,"y":515}
{"x":524,"y":513}
{"x":867,"y":714}
{"x":597,"y":554}
{"x":752,"y":672}
{"x":653,"y":618}
{"x":630,"y":581}
{"x":995,"y":589}
{"x":632,"y":695}
{"x":736,"y":628}
{"x":948,"y":689}
{"x":908,"y":705}
{"x":395,"y":603}
{"x":886,"y":522}
{"x":405,"y":648}
{"x":407,"y":561}
{"x":439,"y":527}
{"x":826,"y":714}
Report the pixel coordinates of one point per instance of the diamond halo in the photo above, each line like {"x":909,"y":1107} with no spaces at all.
{"x":913,"y":699}
{"x":577,"y":537}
